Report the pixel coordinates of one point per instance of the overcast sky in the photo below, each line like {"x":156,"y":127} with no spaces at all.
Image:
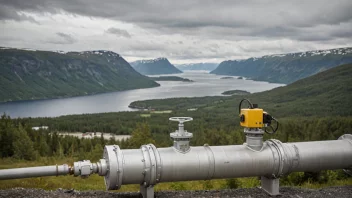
{"x":183,"y":31}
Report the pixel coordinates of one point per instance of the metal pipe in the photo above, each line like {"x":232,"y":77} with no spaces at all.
{"x":216,"y":162}
{"x":323,"y":155}
{"x":148,"y":165}
{"x":39,"y":171}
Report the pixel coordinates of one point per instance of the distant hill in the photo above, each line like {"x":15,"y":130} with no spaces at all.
{"x":170,"y":78}
{"x":155,"y":67}
{"x":31,"y":74}
{"x":286,"y":68}
{"x":328,"y":93}
{"x":197,"y":66}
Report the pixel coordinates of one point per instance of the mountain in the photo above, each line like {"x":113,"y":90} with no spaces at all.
{"x":31,"y":74}
{"x":328,"y":93}
{"x":155,"y":67}
{"x":285,"y":68}
{"x":197,"y":66}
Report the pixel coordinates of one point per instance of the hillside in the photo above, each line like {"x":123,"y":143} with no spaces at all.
{"x":197,"y":66}
{"x":327,"y":93}
{"x":155,"y":67}
{"x":285,"y":68}
{"x":27,"y":75}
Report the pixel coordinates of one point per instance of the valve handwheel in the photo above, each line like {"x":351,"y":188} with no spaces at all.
{"x":181,"y":119}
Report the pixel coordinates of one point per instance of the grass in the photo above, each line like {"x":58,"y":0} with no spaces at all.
{"x":165,"y":111}
{"x":147,"y":115}
{"x":95,"y":182}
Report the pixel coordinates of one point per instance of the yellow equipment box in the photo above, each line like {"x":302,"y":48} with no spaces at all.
{"x":252,"y":118}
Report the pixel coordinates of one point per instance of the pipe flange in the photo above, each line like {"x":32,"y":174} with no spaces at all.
{"x":211,"y":160}
{"x":347,"y":137}
{"x":158,"y":163}
{"x":150,"y":165}
{"x":114,"y":159}
{"x":281,"y":156}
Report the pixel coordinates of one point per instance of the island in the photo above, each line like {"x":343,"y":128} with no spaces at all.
{"x":170,"y":78}
{"x":235,"y":92}
{"x":227,"y":77}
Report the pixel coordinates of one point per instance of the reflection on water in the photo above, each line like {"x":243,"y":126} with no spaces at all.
{"x":205,"y":85}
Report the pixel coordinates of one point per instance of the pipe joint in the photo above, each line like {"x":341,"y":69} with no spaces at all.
{"x":102,"y":167}
{"x":114,"y":161}
{"x":254,"y":138}
{"x":347,"y":137}
{"x":279,"y":157}
{"x":152,"y":165}
{"x":83,"y":168}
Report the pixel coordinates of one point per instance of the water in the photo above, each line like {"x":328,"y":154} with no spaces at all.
{"x":205,"y":85}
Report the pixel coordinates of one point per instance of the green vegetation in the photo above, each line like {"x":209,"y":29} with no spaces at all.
{"x":315,"y":108}
{"x":285,"y":68}
{"x":27,"y":75}
{"x":155,"y":67}
{"x":170,"y":78}
{"x":235,"y":92}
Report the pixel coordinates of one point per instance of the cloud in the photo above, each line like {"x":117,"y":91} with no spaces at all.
{"x":118,"y":32}
{"x":184,"y":14}
{"x":62,"y":38}
{"x":9,"y":13}
{"x":186,"y":30}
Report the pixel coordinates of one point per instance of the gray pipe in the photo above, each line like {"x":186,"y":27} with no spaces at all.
{"x":39,"y":171}
{"x":148,"y":165}
{"x":216,"y":162}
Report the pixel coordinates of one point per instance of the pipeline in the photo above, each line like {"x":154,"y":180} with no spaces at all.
{"x":40,"y":171}
{"x":149,"y":165}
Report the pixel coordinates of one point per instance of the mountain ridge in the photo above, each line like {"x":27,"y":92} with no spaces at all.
{"x":155,"y":66}
{"x":285,"y":68}
{"x":36,"y":74}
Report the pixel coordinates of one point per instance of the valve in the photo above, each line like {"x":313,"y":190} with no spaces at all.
{"x":181,"y":137}
{"x":181,"y":120}
{"x":256,"y":118}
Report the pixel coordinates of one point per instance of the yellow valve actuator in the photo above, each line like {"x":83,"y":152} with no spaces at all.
{"x":252,"y":118}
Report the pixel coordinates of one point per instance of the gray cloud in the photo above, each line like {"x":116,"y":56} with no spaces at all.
{"x":9,"y":13}
{"x":201,"y":28}
{"x":62,"y":38}
{"x":179,"y":15}
{"x":118,"y":32}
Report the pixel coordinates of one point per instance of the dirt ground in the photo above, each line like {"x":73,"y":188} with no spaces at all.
{"x":290,"y":192}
